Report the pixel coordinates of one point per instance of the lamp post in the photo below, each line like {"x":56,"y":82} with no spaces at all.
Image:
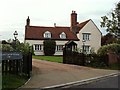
{"x":15,"y":36}
{"x":83,"y":52}
{"x":83,"y":46}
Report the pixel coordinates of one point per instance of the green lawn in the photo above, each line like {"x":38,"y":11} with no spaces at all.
{"x":11,"y":82}
{"x":58,"y":59}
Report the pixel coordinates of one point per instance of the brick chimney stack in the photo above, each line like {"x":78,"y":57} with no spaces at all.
{"x":73,"y":18}
{"x":28,"y":21}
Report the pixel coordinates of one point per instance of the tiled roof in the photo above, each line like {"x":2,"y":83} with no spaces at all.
{"x":37,"y":33}
{"x":81,"y":25}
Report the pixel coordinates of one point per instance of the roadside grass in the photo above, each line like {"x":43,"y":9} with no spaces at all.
{"x":115,"y":66}
{"x":58,"y":59}
{"x":12,"y":82}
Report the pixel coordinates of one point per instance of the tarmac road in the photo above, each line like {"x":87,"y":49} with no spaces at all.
{"x":111,"y":82}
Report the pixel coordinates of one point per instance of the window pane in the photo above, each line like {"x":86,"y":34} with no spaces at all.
{"x":59,"y":48}
{"x":38,"y":47}
{"x":86,"y":36}
{"x":47,"y":34}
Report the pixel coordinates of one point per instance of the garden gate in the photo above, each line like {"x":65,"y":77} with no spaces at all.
{"x":16,"y":63}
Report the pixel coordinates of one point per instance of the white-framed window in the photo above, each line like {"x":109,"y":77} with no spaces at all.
{"x":47,"y":34}
{"x":86,"y":36}
{"x":59,"y":47}
{"x":86,"y":49}
{"x":63,"y":35}
{"x":38,"y":47}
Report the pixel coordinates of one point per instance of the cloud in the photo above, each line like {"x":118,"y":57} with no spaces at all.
{"x":47,"y":12}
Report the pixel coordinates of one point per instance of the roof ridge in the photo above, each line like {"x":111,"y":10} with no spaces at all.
{"x":50,"y":26}
{"x":85,"y":21}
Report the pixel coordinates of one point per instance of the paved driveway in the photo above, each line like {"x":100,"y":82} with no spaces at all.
{"x":46,"y":74}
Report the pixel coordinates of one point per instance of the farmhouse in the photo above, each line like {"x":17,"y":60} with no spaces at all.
{"x":85,"y":34}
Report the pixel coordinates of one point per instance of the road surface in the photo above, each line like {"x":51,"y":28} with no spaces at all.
{"x":111,"y":82}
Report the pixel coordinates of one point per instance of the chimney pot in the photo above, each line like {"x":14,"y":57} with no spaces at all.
{"x":54,"y":24}
{"x":72,"y":11}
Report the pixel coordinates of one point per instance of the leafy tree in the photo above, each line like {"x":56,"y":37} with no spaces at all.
{"x":113,"y":21}
{"x":108,"y":39}
{"x":49,"y":47}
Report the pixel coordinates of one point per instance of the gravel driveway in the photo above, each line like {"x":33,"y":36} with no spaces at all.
{"x":47,"y":73}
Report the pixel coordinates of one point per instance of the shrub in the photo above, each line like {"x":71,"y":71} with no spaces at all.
{"x":25,"y":48}
{"x":94,"y":60}
{"x":6,"y":47}
{"x":49,"y":47}
{"x":110,"y":47}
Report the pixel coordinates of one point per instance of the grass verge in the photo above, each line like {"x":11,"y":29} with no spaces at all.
{"x":58,"y":59}
{"x":115,"y":66}
{"x":11,"y":82}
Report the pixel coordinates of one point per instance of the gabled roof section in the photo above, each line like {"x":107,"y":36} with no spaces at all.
{"x":81,"y":25}
{"x":37,"y":33}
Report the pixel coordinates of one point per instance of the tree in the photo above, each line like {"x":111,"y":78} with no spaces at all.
{"x":108,"y":39}
{"x":49,"y":47}
{"x":112,"y":22}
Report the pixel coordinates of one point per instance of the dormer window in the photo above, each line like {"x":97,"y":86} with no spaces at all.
{"x":47,"y":34}
{"x":63,"y":35}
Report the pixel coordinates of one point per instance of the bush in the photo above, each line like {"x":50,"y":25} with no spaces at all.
{"x":110,"y":47}
{"x":6,"y":47}
{"x":25,"y":48}
{"x":49,"y":47}
{"x":94,"y":60}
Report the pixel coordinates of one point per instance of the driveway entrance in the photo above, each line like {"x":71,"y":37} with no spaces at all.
{"x":46,"y":74}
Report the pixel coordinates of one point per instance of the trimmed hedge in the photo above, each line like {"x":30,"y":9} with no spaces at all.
{"x":109,"y":47}
{"x":49,"y":47}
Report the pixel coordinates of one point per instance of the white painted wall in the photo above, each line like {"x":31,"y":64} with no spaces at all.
{"x":60,"y":43}
{"x":95,"y":37}
{"x":32,"y":42}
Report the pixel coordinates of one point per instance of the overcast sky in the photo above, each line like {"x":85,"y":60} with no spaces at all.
{"x":13,"y":13}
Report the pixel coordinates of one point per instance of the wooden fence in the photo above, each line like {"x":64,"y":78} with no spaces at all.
{"x":22,"y":67}
{"x":71,"y":57}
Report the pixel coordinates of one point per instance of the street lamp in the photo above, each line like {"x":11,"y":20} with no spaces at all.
{"x":83,"y":45}
{"x":15,"y":35}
